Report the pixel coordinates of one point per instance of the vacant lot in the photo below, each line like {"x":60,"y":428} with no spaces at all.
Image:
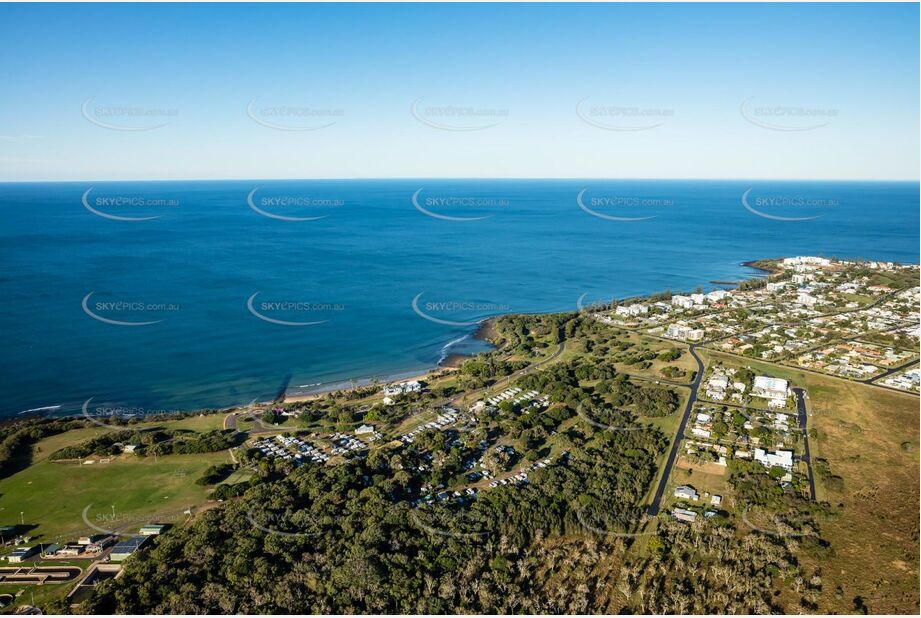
{"x":869,"y":437}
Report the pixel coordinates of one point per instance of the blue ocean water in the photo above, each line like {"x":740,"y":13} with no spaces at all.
{"x":181,"y":295}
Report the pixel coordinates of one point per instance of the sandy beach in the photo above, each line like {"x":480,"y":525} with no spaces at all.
{"x":345,"y":386}
{"x":486,"y":331}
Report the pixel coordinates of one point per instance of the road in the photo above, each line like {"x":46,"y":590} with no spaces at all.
{"x":676,"y":444}
{"x":453,"y":401}
{"x":801,"y":415}
{"x":230,"y":422}
{"x":888,"y":373}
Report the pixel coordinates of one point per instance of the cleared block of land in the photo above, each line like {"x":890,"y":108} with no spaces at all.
{"x":869,"y":438}
{"x":52,"y":496}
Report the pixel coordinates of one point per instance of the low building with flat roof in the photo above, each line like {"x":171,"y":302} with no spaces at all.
{"x":684,"y":515}
{"x":124,"y":549}
{"x":20,"y":554}
{"x":152,"y":529}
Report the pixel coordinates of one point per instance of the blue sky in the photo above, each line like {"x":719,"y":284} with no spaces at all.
{"x":371,"y":91}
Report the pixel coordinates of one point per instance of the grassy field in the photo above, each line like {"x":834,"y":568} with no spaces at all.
{"x":869,"y":436}
{"x":29,"y":594}
{"x":49,"y":445}
{"x":790,"y":374}
{"x":709,"y":477}
{"x":52,"y":496}
{"x":203,"y":422}
{"x":238,"y":476}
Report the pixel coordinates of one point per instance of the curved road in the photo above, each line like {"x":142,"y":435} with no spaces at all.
{"x":517,"y":374}
{"x":673,"y":454}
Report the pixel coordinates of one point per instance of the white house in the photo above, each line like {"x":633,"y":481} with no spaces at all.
{"x":781,"y":458}
{"x":632,"y":310}
{"x":803,"y":260}
{"x":681,"y":331}
{"x":771,"y":388}
{"x":719,"y":382}
{"x":412,"y":386}
{"x":684,"y":302}
{"x":687,"y":492}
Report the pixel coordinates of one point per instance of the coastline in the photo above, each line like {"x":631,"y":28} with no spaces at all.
{"x":760,"y":265}
{"x":485,"y":331}
{"x":346,"y":386}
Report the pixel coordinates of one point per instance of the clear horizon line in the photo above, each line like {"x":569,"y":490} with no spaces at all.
{"x":425,"y":178}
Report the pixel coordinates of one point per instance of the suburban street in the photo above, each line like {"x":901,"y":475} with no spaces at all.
{"x":801,"y":415}
{"x":676,"y":444}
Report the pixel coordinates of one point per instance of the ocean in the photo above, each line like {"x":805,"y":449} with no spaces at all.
{"x":152,"y":296}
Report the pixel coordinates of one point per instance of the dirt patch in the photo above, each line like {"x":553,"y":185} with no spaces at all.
{"x":707,"y":468}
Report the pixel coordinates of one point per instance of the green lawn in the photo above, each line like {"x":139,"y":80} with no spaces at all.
{"x":52,"y":496}
{"x":28,"y":594}
{"x":238,"y":476}
{"x":203,"y":422}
